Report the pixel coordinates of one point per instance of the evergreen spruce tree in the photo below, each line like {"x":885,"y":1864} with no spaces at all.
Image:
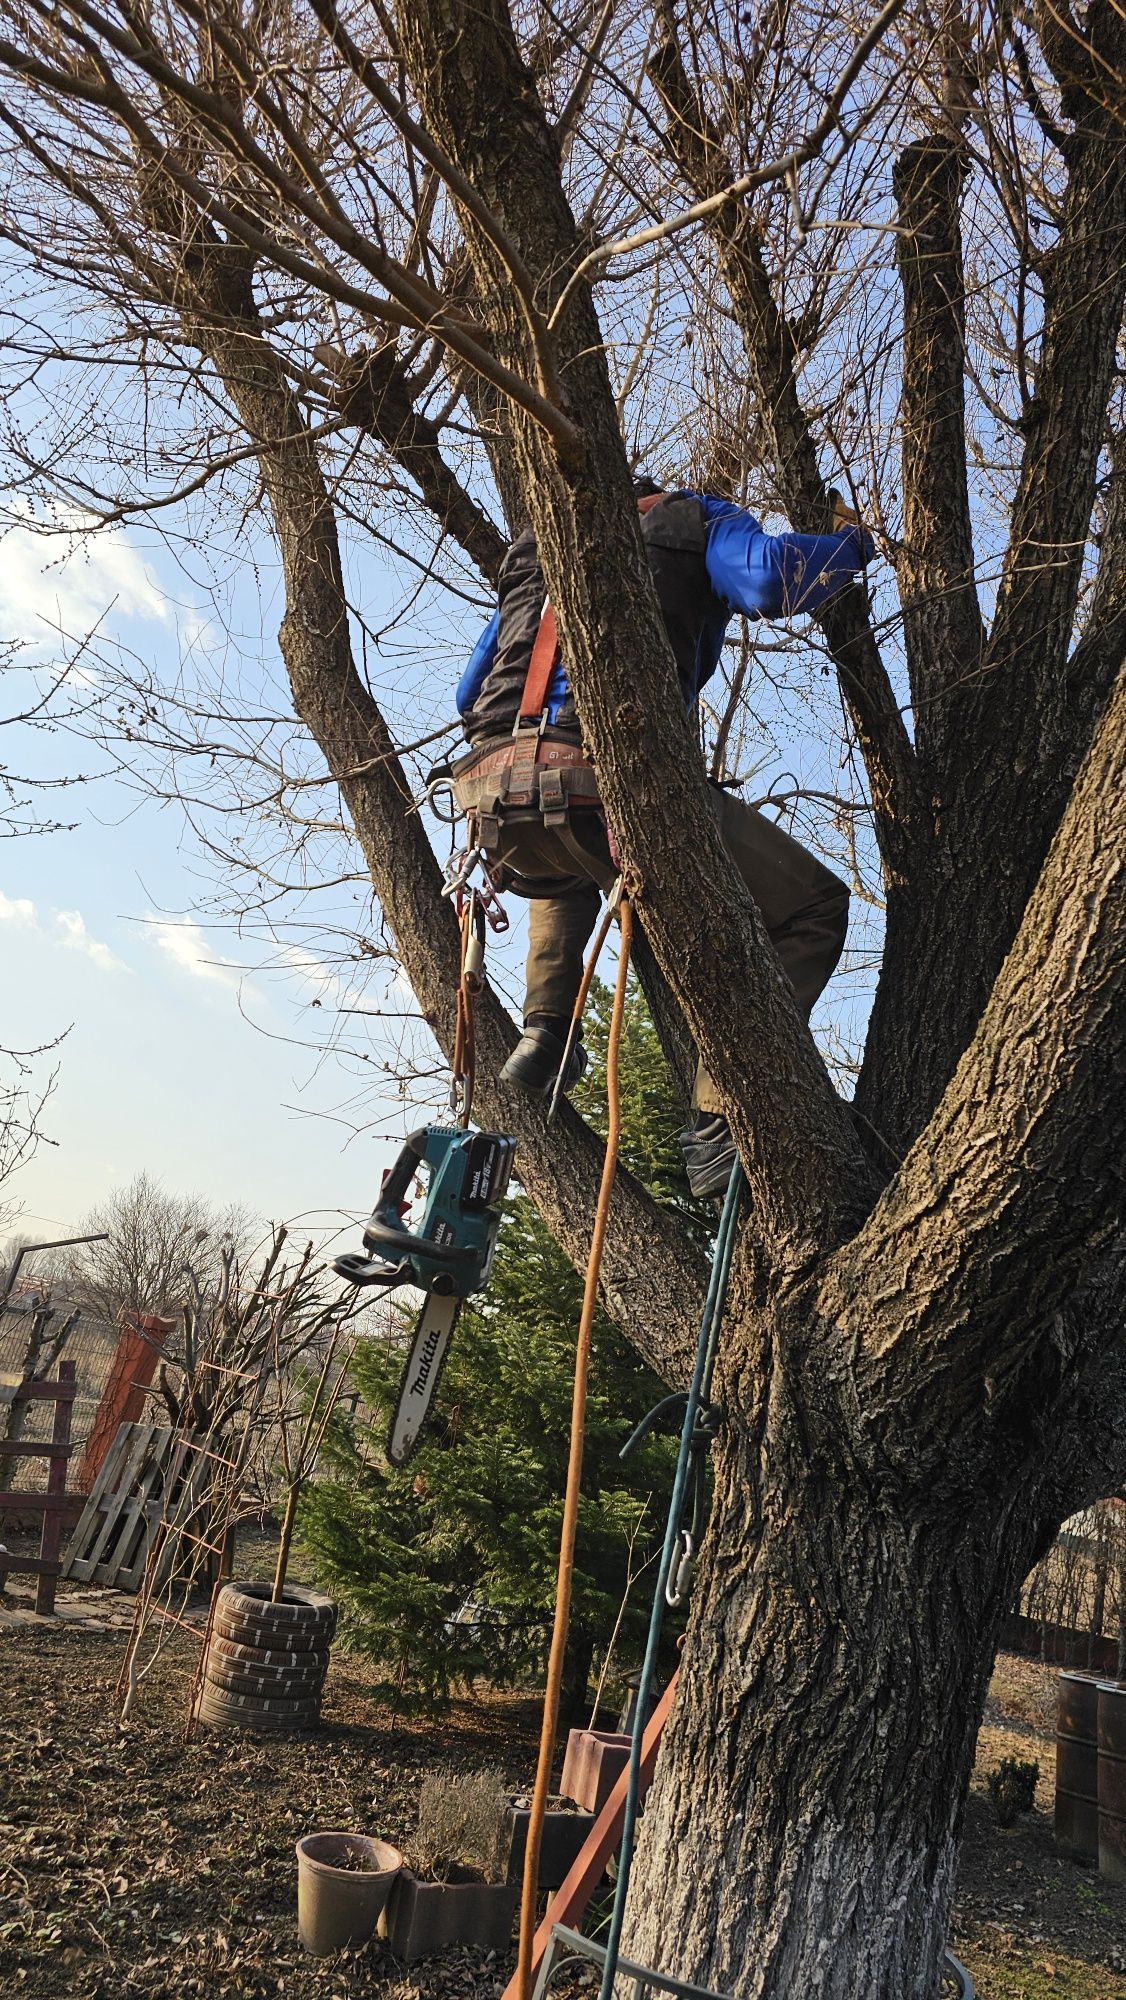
{"x":446,"y":1568}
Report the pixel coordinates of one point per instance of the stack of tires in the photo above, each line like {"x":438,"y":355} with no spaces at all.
{"x":265,"y":1663}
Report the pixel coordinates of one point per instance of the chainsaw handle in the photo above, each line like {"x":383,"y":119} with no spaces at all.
{"x":381,"y":1235}
{"x":397,"y":1186}
{"x":359,"y":1270}
{"x":385,"y":1230}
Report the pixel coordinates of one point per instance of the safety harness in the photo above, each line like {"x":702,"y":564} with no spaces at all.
{"x":538,"y":771}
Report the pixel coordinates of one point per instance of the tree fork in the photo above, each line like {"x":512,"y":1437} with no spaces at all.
{"x":808,"y":1175}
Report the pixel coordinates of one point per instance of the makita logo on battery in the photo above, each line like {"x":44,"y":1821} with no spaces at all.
{"x":426,"y":1362}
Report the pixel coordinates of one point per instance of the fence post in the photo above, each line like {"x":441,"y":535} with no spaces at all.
{"x":51,"y":1536}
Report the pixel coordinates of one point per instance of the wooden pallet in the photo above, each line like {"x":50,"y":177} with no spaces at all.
{"x":53,"y":1504}
{"x":111,"y":1542}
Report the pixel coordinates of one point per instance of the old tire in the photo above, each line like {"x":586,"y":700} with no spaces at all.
{"x":300,"y":1610}
{"x":252,"y":1658}
{"x":218,"y":1708}
{"x":239,"y":1633}
{"x":284,"y":1687}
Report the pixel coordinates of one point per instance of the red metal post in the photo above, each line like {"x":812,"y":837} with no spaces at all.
{"x":139,"y":1348}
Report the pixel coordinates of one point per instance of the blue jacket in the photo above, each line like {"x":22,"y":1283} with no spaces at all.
{"x":748,"y":571}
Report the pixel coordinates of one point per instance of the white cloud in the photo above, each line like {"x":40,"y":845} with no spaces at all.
{"x":72,"y":931}
{"x":71,"y":580}
{"x":330,"y":990}
{"x":17,"y":910}
{"x":187,"y":946}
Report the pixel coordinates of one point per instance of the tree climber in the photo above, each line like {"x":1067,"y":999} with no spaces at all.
{"x":534,"y":803}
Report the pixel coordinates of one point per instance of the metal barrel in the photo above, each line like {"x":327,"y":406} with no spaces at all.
{"x":1077,"y":1765}
{"x":1111,"y":1731}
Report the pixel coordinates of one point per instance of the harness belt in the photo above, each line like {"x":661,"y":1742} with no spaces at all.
{"x":537,"y":769}
{"x":540,"y":771}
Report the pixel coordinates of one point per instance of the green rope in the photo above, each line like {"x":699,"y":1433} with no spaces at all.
{"x":698,"y":1393}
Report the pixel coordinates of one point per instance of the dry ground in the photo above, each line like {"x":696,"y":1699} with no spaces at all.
{"x":133,"y":1864}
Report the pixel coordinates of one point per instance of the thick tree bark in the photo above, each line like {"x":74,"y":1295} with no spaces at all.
{"x":1012,"y":733}
{"x":942,"y":622}
{"x":802,"y":1830}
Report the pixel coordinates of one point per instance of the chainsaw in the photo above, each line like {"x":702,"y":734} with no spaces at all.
{"x":449,"y":1258}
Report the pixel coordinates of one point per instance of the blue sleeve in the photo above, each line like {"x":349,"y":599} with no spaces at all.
{"x":478,"y":665}
{"x":777,"y":576}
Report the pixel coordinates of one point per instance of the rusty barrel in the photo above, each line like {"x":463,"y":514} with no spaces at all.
{"x":1111,"y":1732}
{"x":1077,"y":1764}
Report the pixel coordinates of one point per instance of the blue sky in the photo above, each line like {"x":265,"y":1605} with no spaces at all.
{"x":179,"y":1057}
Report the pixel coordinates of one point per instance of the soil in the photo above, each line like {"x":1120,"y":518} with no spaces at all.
{"x":350,"y":1862}
{"x":134,"y":1864}
{"x":1029,"y":1922}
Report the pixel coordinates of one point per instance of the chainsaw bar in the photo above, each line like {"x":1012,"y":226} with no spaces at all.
{"x":425,"y":1362}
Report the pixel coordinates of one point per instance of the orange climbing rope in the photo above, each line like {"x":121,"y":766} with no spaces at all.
{"x":574,"y":1477}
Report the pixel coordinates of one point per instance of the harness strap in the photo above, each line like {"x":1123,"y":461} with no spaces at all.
{"x":545,"y":648}
{"x":541,"y":666}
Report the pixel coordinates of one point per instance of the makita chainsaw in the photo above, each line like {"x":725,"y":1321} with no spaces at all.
{"x":449,"y":1258}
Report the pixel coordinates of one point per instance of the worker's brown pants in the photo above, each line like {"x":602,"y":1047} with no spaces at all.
{"x":803,"y":904}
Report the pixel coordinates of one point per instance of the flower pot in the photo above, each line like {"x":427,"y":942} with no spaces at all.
{"x":563,"y":1837}
{"x":343,"y":1882}
{"x":594,"y":1761}
{"x":423,"y":1918}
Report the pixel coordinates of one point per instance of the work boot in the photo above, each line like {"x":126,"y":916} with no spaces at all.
{"x":534,"y":1062}
{"x":709,"y":1153}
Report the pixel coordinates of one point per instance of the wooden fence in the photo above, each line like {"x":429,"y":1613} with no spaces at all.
{"x":53,"y":1503}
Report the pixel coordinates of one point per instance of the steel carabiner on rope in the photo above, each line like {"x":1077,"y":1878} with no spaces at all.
{"x":680,"y":1577}
{"x":459,"y":869}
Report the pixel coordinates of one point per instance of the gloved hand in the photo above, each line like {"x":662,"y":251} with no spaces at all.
{"x":846,"y":516}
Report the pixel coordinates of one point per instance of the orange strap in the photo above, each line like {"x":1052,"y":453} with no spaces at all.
{"x":545,"y":650}
{"x":465,"y":1033}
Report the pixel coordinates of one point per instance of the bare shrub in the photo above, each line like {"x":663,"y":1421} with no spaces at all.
{"x":459,"y":1821}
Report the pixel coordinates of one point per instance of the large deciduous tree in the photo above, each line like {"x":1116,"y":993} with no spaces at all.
{"x":400,"y":262}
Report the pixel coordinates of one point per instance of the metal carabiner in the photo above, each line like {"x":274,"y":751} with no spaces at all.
{"x":430,"y":798}
{"x":496,"y":916}
{"x":680,"y":1580}
{"x":459,"y":868}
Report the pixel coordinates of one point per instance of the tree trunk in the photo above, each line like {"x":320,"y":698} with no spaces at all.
{"x":574,"y":1700}
{"x":858,"y":1624}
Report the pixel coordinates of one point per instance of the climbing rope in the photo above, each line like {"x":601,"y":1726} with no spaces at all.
{"x":699,"y":1423}
{"x":581,"y":997}
{"x":574,"y":1475}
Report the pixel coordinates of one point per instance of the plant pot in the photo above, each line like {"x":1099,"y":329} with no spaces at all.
{"x":563,"y":1836}
{"x":423,"y":1918}
{"x":594,"y":1761}
{"x":338,"y":1904}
